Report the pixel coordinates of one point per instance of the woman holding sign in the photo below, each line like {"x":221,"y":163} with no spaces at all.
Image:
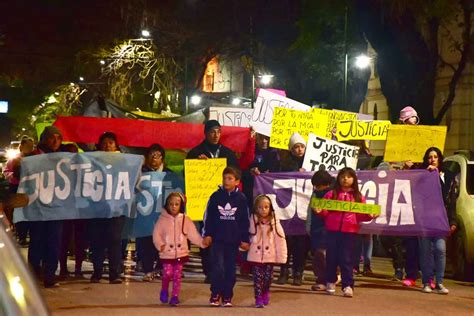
{"x":433,"y":249}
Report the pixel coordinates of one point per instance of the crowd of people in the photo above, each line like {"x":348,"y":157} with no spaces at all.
{"x":238,"y":226}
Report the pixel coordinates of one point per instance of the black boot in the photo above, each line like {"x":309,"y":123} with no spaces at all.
{"x":297,"y":278}
{"x":283,"y":278}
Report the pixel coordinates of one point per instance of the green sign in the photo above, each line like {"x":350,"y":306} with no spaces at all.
{"x":345,"y":206}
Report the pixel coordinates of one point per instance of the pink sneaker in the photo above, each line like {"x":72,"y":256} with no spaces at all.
{"x":409,"y":282}
{"x":432,"y":284}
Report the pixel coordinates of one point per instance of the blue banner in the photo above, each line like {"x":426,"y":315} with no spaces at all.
{"x":150,"y":195}
{"x":71,"y":186}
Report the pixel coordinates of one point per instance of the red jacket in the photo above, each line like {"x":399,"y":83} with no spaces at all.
{"x":346,"y":222}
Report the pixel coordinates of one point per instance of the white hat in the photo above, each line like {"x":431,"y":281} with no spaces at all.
{"x":296,"y":138}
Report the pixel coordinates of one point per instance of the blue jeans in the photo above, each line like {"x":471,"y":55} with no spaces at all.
{"x":223,"y":260}
{"x":432,"y":258}
{"x":364,"y":246}
{"x":339,"y":252}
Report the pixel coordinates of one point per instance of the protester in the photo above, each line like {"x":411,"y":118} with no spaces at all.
{"x":45,"y":236}
{"x":226,"y":224}
{"x":433,"y":249}
{"x":267,"y":247}
{"x":342,"y":229}
{"x":106,"y":233}
{"x":322,"y":181}
{"x":148,"y":255}
{"x":170,"y":237}
{"x":211,"y":147}
{"x":297,"y":240}
{"x":12,"y":174}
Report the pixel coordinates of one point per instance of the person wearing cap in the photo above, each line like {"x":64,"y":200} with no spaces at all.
{"x":211,"y":148}
{"x":45,"y":236}
{"x":409,"y":116}
{"x":297,"y":239}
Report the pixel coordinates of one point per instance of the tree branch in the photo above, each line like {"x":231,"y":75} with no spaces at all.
{"x":462,"y":63}
{"x":445,"y":63}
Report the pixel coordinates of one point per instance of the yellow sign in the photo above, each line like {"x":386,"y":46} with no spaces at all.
{"x":364,"y":130}
{"x":286,"y":122}
{"x":201,"y":179}
{"x":333,"y":116}
{"x":409,"y":142}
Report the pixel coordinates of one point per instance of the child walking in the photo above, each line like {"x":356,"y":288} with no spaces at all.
{"x":322,"y":181}
{"x":170,"y":236}
{"x":342,"y":228}
{"x":267,"y":247}
{"x":226,"y":224}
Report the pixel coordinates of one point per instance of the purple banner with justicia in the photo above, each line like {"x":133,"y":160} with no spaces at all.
{"x":411,"y":201}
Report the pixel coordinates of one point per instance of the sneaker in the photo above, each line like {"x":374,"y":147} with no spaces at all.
{"x":51,"y":284}
{"x":266,"y":298}
{"x":348,"y":292}
{"x":116,"y":281}
{"x":148,"y":277}
{"x":298,"y":279}
{"x":95,"y":279}
{"x":409,"y":282}
{"x":427,"y":288}
{"x":227,"y":302}
{"x":215,"y":300}
{"x":164,"y":296}
{"x":367,"y":271}
{"x":174,"y":301}
{"x":259,"y":302}
{"x":331,"y":288}
{"x":398,"y":276}
{"x":432,"y":284}
{"x":318,"y":287}
{"x":440,"y":289}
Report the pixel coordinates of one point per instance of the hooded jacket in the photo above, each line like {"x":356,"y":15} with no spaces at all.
{"x":226,"y":218}
{"x":347,"y":222}
{"x":168,"y":231}
{"x":267,"y":246}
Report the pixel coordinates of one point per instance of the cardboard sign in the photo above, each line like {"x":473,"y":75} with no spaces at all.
{"x":326,"y":154}
{"x":202,"y":177}
{"x":287,"y":121}
{"x":345,"y":206}
{"x":334,"y":116}
{"x":364,"y":130}
{"x":264,"y":106}
{"x":409,"y":142}
{"x":229,"y":116}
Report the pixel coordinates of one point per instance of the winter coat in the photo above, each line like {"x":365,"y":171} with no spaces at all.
{"x":266,"y":246}
{"x":168,"y":231}
{"x":226,"y":218}
{"x":347,"y":222}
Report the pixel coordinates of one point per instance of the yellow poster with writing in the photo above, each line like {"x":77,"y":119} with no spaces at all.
{"x":409,"y":142}
{"x":333,"y":116}
{"x":286,"y":122}
{"x":362,"y":130}
{"x":201,"y":178}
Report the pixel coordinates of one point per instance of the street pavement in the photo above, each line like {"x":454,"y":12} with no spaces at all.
{"x":375,"y":295}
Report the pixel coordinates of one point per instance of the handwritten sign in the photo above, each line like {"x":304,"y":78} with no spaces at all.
{"x":334,"y":116}
{"x":287,"y":121}
{"x":365,"y":130}
{"x":264,"y":106}
{"x":345,"y":206}
{"x":326,"y":154}
{"x":229,"y":116}
{"x":202,"y":177}
{"x":409,"y":142}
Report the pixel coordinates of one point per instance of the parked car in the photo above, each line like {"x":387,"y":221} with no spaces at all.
{"x":462,"y":258}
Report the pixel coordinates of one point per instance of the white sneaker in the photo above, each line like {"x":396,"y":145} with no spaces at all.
{"x":331,"y":288}
{"x":427,"y":288}
{"x":347,"y":292}
{"x":440,"y":289}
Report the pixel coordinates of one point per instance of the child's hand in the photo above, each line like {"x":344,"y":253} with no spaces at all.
{"x":374,"y":215}
{"x":162,"y":248}
{"x":244,"y":246}
{"x":202,"y":156}
{"x":316,"y":210}
{"x":207,"y":241}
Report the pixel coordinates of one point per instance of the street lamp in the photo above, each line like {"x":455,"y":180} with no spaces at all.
{"x":196,"y":99}
{"x":236,"y":101}
{"x":362,"y":61}
{"x":146,"y":33}
{"x":266,"y":79}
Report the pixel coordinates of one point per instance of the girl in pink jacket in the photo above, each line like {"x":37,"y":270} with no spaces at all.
{"x":342,"y":229}
{"x":170,"y":236}
{"x":267,"y":247}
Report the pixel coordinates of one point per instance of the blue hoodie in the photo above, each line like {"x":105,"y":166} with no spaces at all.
{"x":226,"y":218}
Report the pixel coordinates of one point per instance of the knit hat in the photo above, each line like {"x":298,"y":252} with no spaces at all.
{"x":296,"y":138}
{"x":210,"y":125}
{"x":408,"y":112}
{"x":48,"y":132}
